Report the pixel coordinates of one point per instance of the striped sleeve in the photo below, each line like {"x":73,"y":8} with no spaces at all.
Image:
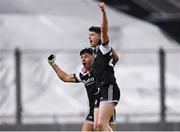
{"x":77,"y":77}
{"x":104,"y":48}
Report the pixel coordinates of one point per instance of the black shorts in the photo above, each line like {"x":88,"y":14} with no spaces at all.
{"x":90,"y":117}
{"x":110,"y":93}
{"x":97,"y":99}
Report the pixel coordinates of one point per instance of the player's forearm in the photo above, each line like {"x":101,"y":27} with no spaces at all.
{"x":104,"y":22}
{"x":60,"y":73}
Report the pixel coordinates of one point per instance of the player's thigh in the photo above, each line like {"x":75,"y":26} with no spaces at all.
{"x":112,"y":121}
{"x":87,"y":126}
{"x":105,"y":112}
{"x":96,"y":114}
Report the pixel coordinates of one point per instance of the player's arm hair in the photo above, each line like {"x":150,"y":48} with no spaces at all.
{"x":115,"y":57}
{"x":63,"y":75}
{"x":104,"y":24}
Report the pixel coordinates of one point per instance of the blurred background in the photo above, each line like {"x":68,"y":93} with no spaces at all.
{"x":144,"y":33}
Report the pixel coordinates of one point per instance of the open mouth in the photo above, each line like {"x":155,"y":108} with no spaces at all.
{"x":84,"y":64}
{"x":90,"y":41}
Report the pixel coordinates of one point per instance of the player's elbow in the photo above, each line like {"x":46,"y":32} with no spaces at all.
{"x":115,"y":60}
{"x":64,"y":79}
{"x":67,"y":79}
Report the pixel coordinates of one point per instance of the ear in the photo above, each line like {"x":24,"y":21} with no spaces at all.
{"x":99,"y":36}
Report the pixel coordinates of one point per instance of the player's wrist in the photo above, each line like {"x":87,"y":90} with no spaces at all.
{"x":52,"y":63}
{"x":52,"y":59}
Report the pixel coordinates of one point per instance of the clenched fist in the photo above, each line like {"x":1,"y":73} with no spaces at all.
{"x":101,"y":6}
{"x":51,"y":59}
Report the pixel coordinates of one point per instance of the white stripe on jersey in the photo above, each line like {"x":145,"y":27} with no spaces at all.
{"x":104,"y":49}
{"x":110,"y":93}
{"x":78,"y":77}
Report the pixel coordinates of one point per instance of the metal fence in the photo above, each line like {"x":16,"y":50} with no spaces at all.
{"x":31,"y":93}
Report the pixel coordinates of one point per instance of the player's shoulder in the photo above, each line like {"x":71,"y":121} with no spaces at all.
{"x":105,"y":49}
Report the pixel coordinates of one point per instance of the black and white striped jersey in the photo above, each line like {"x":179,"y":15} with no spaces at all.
{"x":89,"y":82}
{"x":103,"y":67}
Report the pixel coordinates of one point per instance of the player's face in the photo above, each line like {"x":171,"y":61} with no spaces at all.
{"x":94,"y":38}
{"x":86,"y":60}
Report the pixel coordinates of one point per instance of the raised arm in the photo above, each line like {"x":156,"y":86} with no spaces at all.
{"x":60,"y":73}
{"x":104,"y":23}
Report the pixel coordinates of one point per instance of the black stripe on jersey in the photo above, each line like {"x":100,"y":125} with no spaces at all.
{"x":75,"y":78}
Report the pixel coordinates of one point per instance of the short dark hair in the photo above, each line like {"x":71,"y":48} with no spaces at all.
{"x":95,"y":29}
{"x":86,"y":50}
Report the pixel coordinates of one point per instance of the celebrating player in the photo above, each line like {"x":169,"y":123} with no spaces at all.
{"x":87,"y":77}
{"x":103,"y":69}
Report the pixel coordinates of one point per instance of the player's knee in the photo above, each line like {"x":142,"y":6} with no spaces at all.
{"x":102,"y":125}
{"x":96,"y":128}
